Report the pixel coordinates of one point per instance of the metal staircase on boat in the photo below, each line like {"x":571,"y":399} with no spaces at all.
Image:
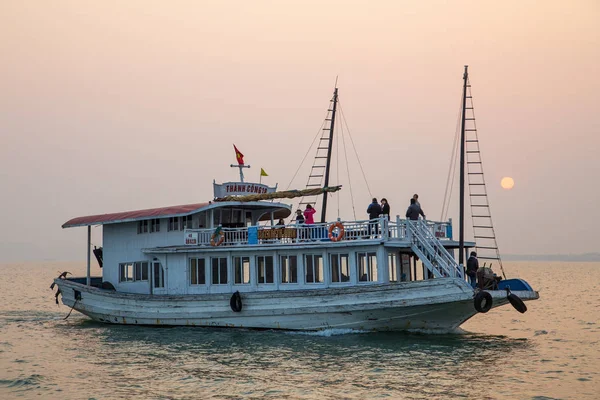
{"x":431,"y":251}
{"x":483,"y":228}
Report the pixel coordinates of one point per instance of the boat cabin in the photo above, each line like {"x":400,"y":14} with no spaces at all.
{"x":228,"y":246}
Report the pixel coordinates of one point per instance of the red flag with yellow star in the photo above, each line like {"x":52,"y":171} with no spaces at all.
{"x":239,"y":156}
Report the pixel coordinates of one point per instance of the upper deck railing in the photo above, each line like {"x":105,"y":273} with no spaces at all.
{"x":380,"y":228}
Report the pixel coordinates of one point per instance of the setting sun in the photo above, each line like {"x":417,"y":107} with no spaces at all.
{"x":507,"y":183}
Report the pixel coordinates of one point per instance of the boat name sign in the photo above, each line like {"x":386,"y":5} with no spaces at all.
{"x":240,"y":189}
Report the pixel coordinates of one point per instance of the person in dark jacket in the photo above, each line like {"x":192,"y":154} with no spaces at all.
{"x":299,"y":217}
{"x":414,"y":210}
{"x":300,"y":222}
{"x":472,"y":267}
{"x":385,"y":208}
{"x":373,"y":210}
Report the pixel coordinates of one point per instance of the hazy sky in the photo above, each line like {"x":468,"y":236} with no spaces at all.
{"x":109,"y":106}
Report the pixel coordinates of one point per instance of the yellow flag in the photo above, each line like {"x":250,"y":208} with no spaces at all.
{"x":263,"y":173}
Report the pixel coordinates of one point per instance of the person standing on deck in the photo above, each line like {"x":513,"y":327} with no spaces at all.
{"x":373,"y":210}
{"x":309,"y":220}
{"x":414,"y":210}
{"x":299,"y":217}
{"x":308,"y":215}
{"x":300,"y":223}
{"x":472,"y":267}
{"x":385,"y":208}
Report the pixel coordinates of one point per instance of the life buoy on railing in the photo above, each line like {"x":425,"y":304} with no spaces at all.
{"x":217,"y":238}
{"x":236,"y":302}
{"x":483,"y":302}
{"x":340,"y":228}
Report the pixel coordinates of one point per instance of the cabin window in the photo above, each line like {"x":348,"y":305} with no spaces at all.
{"x":340,"y":268}
{"x":392,"y":267}
{"x":143,"y":226}
{"x":141,"y":271}
{"x":125,"y":272}
{"x":241,"y":268}
{"x":289,"y":269}
{"x":186,"y":222}
{"x":367,"y":267}
{"x":155,"y":225}
{"x":314,"y":268}
{"x":219,"y":270}
{"x":173,"y":224}
{"x":264,"y":265}
{"x":197,"y":271}
{"x":132,"y":272}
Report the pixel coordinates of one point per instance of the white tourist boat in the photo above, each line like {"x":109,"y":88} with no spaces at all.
{"x":225,"y":263}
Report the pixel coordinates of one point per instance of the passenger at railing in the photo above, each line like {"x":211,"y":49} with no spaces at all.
{"x":472,"y":267}
{"x":299,"y":217}
{"x":374,"y":210}
{"x":299,"y":223}
{"x":414,"y":210}
{"x":280,"y":223}
{"x":385,"y":208}
{"x":309,"y":220}
{"x":308,"y":215}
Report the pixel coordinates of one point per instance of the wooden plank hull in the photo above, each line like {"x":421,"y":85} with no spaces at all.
{"x":431,"y":305}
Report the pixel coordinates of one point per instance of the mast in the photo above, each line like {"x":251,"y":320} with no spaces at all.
{"x":461,"y":211}
{"x":328,"y":165}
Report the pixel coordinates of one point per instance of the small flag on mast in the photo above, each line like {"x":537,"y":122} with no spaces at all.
{"x":239,"y":156}
{"x":263,"y":173}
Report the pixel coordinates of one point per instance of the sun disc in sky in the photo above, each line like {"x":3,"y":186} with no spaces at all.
{"x":507,"y":183}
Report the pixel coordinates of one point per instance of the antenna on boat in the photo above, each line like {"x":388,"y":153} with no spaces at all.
{"x":461,"y":211}
{"x":329,"y":148}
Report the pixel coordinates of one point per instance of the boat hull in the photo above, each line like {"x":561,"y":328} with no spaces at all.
{"x":432,"y":305}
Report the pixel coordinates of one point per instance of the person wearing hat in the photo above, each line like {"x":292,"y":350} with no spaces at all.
{"x":472,"y":267}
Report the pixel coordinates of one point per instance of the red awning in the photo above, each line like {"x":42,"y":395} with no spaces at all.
{"x":128,"y":216}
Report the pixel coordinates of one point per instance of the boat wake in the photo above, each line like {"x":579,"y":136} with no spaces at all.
{"x":454,"y":331}
{"x":326,"y":332}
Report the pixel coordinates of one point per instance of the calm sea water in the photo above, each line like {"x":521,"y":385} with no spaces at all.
{"x":551,"y":352}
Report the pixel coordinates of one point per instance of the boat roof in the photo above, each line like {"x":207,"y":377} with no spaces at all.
{"x":282,"y":211}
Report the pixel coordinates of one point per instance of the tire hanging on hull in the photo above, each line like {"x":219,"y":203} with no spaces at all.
{"x":236,"y":302}
{"x":517,"y":303}
{"x":483,"y":302}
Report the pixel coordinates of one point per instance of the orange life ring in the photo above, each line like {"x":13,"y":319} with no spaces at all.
{"x":214,"y":242}
{"x":340,"y":235}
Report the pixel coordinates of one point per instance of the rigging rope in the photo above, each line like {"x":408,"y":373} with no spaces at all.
{"x":337,"y":173}
{"x":354,"y":147}
{"x":348,"y":172}
{"x":452,"y":168}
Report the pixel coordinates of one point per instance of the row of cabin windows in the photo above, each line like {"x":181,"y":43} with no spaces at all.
{"x":175,"y":224}
{"x":139,"y":272}
{"x":288,"y":269}
{"x":149,"y":225}
{"x":133,"y":271}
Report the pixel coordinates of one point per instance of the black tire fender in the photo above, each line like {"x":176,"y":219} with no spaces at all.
{"x":236,"y":302}
{"x":483,"y":302}
{"x":517,"y":303}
